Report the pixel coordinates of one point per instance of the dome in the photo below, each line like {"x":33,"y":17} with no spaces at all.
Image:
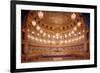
{"x":55,"y":33}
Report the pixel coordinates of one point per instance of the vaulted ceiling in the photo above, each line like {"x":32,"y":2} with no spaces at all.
{"x":55,"y":28}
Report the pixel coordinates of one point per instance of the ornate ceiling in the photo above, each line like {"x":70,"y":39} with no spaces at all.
{"x":54,"y":28}
{"x":49,"y":36}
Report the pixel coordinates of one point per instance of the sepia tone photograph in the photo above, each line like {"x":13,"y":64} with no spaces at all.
{"x":54,"y":36}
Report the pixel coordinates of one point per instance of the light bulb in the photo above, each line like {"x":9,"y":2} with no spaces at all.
{"x":57,"y":34}
{"x":65,"y":41}
{"x":53,"y":36}
{"x":38,"y":34}
{"x":40,"y":14}
{"x":48,"y":35}
{"x":28,"y":36}
{"x":75,"y":28}
{"x":44,"y":34}
{"x":41,"y":31}
{"x":73,"y":16}
{"x":79,"y":32}
{"x":34,"y":23}
{"x":38,"y":28}
{"x":65,"y":35}
{"x":69,"y":34}
{"x":60,"y":37}
{"x":33,"y":32}
{"x":79,"y":24}
{"x":72,"y":32}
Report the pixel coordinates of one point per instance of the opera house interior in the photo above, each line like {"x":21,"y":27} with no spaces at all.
{"x":54,"y":36}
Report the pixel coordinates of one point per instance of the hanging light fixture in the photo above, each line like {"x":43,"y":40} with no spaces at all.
{"x":40,"y":14}
{"x":38,"y":34}
{"x":61,"y":42}
{"x":40,"y":40}
{"x":53,"y":36}
{"x":61,"y":37}
{"x":72,"y":32}
{"x":69,"y":34}
{"x":48,"y":36}
{"x":65,"y":35}
{"x":79,"y":32}
{"x":65,"y":41}
{"x":44,"y":34}
{"x":41,"y":31}
{"x":33,"y":32}
{"x":57,"y":34}
{"x":34,"y":23}
{"x":75,"y":28}
{"x":79,"y":24}
{"x":73,"y":16}
{"x":38,"y":27}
